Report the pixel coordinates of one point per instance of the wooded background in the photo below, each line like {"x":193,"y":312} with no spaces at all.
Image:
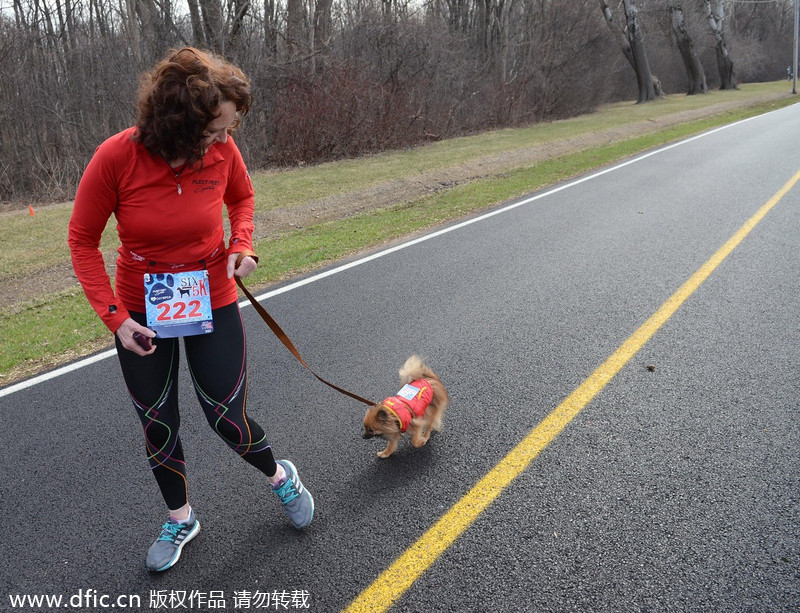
{"x":337,"y":78}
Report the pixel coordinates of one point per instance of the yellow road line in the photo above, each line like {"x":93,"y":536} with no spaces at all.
{"x":404,"y":571}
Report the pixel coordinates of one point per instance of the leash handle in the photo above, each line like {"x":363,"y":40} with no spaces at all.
{"x":282,"y":337}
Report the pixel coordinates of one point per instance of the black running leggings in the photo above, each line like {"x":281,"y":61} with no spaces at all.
{"x":218,"y":366}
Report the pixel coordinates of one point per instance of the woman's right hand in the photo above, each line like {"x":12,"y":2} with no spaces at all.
{"x":125,"y":333}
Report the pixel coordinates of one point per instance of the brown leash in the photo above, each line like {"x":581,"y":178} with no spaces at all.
{"x":276,"y":329}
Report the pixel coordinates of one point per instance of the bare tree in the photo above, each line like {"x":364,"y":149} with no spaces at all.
{"x":458,"y":13}
{"x":152,"y":26}
{"x":694,"y":68}
{"x":335,"y":78}
{"x":296,"y":36}
{"x":132,"y":27}
{"x":271,"y":25}
{"x":322,"y":27}
{"x":236,"y":17}
{"x":213,"y":24}
{"x":198,"y":33}
{"x":631,"y":37}
{"x":715,"y":11}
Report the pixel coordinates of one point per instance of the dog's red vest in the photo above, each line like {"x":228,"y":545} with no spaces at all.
{"x":410,"y":402}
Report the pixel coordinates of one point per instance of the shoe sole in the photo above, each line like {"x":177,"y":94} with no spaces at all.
{"x":297,"y":482}
{"x":177,"y":555}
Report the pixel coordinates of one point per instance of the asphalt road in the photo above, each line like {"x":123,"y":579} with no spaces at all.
{"x":675,"y":488}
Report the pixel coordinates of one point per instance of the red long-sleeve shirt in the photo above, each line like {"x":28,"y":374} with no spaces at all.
{"x":168,"y":221}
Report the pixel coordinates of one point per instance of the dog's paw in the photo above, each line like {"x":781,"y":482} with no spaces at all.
{"x":384,"y":454}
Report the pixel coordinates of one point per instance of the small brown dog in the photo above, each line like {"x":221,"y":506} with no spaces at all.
{"x":418,"y":406}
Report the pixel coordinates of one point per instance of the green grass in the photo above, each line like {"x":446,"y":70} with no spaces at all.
{"x":281,"y":188}
{"x":60,"y":326}
{"x":33,"y":244}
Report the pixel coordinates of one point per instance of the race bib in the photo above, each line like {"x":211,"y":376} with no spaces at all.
{"x":409,"y":392}
{"x":178,"y":304}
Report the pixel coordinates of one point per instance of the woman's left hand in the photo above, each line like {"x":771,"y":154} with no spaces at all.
{"x":246,"y":266}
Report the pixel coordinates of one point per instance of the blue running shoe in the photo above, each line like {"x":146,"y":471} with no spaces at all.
{"x":166,"y":551}
{"x":296,"y":499}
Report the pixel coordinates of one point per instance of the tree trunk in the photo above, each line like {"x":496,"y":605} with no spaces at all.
{"x":69,"y":16}
{"x":483,"y":27}
{"x":295,"y":33}
{"x":715,"y":11}
{"x":641,"y":65}
{"x":101,"y":20}
{"x":152,"y":27}
{"x":240,"y":8}
{"x":322,"y":25}
{"x":198,"y":35}
{"x":19,"y":15}
{"x":694,"y":69}
{"x":458,"y":13}
{"x":134,"y":37}
{"x":504,"y":8}
{"x":631,"y":40}
{"x":213,"y":25}
{"x":271,"y":27}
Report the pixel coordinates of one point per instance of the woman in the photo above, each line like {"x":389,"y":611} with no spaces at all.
{"x":165,"y":180}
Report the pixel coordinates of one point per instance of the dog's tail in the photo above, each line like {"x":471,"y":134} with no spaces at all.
{"x":414,"y":369}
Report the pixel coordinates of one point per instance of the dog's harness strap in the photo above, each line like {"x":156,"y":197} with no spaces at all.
{"x":403,"y":424}
{"x":396,"y":416}
{"x":276,"y":329}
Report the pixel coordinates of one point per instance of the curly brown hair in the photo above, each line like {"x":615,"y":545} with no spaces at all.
{"x":181,"y":96}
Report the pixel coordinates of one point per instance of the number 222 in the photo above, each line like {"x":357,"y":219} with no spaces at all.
{"x":180,"y":307}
